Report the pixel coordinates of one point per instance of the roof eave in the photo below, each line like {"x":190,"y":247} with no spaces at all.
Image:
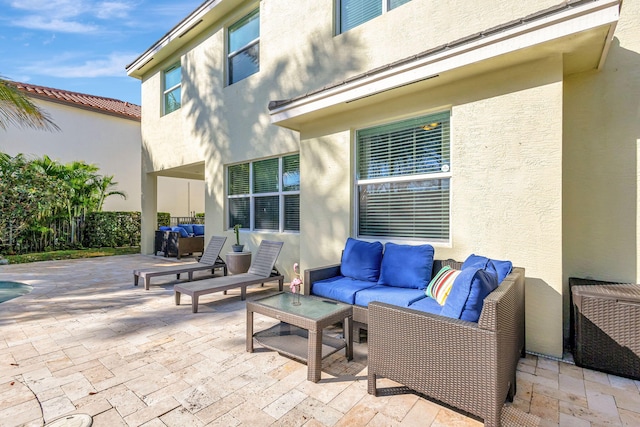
{"x":585,"y":17}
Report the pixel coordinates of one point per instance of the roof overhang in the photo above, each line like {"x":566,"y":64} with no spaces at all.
{"x":581,"y":31}
{"x":180,"y":35}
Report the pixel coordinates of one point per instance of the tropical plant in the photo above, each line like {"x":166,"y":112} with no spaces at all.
{"x":17,"y":109}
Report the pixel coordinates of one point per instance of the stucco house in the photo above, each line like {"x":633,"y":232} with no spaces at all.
{"x":518,"y":123}
{"x":105,"y":132}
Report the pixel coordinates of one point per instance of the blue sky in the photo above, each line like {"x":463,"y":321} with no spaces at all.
{"x":83,"y":45}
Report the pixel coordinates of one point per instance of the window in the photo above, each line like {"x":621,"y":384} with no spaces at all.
{"x":172,"y":88}
{"x":265,"y":194}
{"x":403,"y":179}
{"x":352,"y":13}
{"x":244,"y":47}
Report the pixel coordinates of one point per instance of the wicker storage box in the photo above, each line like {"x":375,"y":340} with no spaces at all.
{"x":606,"y":318}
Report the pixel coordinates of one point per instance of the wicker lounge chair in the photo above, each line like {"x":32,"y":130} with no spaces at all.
{"x":471,"y":366}
{"x":260,"y":271}
{"x":210,"y":260}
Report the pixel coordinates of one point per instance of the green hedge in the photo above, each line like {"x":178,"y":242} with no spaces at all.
{"x":112,"y":229}
{"x":164,"y":218}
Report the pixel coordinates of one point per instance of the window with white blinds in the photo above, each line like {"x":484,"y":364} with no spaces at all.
{"x":403,"y":179}
{"x":265,"y":194}
{"x":351,"y":13}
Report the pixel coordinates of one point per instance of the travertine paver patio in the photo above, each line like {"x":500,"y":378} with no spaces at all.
{"x":86,"y":340}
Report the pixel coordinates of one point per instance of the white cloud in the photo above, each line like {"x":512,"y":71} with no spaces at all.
{"x":34,"y":22}
{"x":113,"y":9}
{"x":112,"y":65}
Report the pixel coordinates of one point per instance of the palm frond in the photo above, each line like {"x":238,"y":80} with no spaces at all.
{"x":17,"y":109}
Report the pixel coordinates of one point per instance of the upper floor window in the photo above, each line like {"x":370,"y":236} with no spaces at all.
{"x":265,"y":194}
{"x":352,"y":13}
{"x":172,"y":88}
{"x":244,"y":47}
{"x":403,"y":179}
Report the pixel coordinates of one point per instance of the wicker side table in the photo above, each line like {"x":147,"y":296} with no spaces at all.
{"x":606,"y":318}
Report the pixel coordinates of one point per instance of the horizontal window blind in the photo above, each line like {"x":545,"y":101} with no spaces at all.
{"x":292,"y":212}
{"x":395,"y":3}
{"x":356,"y":12}
{"x":267,"y":213}
{"x":238,"y":179}
{"x":291,"y":173}
{"x":410,"y":208}
{"x":239,"y":212}
{"x":265,"y":176}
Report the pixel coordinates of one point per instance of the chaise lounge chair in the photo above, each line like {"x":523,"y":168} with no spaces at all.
{"x":260,"y":271}
{"x":209,"y":261}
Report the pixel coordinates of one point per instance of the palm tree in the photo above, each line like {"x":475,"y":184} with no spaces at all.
{"x":105,"y":185}
{"x":18,"y":110}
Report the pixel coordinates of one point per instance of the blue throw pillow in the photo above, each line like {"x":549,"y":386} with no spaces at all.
{"x":361,"y":260}
{"x":501,"y":268}
{"x":406,"y":266}
{"x":198,"y":230}
{"x":187,"y":227}
{"x":182,"y":231}
{"x":164,"y":228}
{"x":466,"y":298}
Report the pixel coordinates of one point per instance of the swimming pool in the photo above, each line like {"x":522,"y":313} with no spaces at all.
{"x":10,"y":290}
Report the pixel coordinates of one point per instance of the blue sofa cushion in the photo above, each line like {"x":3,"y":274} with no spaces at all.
{"x":340,"y":288}
{"x":406,"y":266}
{"x":501,"y":268}
{"x":361,"y":260}
{"x":402,"y":297}
{"x":188,"y":228}
{"x":428,"y":305}
{"x":182,"y":231}
{"x":164,"y":228}
{"x":466,"y":298}
{"x":198,"y":230}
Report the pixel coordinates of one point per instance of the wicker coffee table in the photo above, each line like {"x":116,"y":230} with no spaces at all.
{"x":300,"y":333}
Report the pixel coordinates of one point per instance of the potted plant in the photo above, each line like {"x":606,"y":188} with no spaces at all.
{"x":237,"y":247}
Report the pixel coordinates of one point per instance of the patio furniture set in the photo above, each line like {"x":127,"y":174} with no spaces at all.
{"x":452,"y":331}
{"x":184,"y":239}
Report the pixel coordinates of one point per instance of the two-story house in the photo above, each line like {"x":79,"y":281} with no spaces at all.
{"x":502,"y":128}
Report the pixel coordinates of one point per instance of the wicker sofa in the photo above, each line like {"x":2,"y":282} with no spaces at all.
{"x":468,"y":365}
{"x":173,"y":243}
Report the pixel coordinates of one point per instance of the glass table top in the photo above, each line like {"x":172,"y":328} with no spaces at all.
{"x":310,"y":307}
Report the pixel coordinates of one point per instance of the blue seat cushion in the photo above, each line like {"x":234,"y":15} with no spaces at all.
{"x":361,"y":260}
{"x":188,"y":228}
{"x":406,"y":266}
{"x":198,"y":230}
{"x":501,"y":268}
{"x":340,"y":288}
{"x":164,"y":228}
{"x":182,"y":231}
{"x":428,"y":305}
{"x":466,"y":298}
{"x":402,"y":297}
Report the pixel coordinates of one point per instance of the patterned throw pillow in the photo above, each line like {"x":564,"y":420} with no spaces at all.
{"x":441,"y":284}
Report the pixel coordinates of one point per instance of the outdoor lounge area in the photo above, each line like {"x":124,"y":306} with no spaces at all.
{"x":87,"y":341}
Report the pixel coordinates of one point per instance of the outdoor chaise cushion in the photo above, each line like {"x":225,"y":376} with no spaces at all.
{"x":402,"y":297}
{"x":406,"y":266}
{"x":208,"y":261}
{"x":340,"y":288}
{"x":260,"y":271}
{"x":361,"y":260}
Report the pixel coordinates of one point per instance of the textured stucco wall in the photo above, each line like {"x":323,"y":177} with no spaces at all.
{"x":109,"y":142}
{"x":601,"y":171}
{"x":506,"y":203}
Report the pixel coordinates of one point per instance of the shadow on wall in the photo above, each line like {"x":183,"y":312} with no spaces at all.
{"x":600,"y":206}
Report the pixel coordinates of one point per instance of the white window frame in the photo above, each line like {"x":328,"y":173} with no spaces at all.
{"x":253,"y":196}
{"x":166,"y":91}
{"x":231,"y":55}
{"x":399,"y":179}
{"x":386,"y":7}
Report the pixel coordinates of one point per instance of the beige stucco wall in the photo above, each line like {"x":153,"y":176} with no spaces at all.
{"x":109,"y":142}
{"x":601,"y":167}
{"x":506,"y":198}
{"x":520,"y":172}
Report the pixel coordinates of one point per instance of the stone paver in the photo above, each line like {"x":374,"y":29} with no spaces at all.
{"x":87,"y":341}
